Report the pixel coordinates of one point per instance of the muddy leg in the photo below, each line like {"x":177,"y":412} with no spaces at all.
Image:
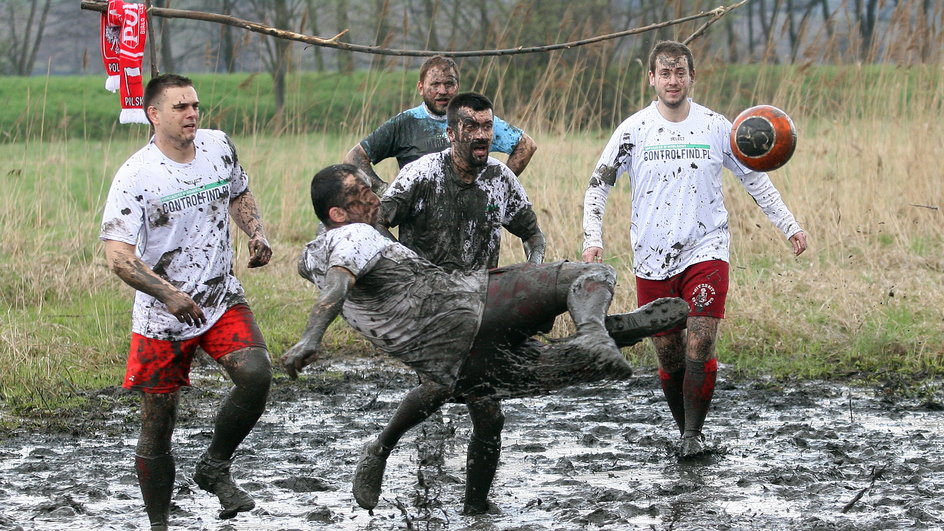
{"x":251,"y":373}
{"x":153,"y":461}
{"x":670,"y":350}
{"x":418,"y":404}
{"x":483,"y":453}
{"x":421,"y":402}
{"x":701,"y":369}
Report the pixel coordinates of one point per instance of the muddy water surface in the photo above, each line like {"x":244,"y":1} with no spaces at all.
{"x":811,"y":456}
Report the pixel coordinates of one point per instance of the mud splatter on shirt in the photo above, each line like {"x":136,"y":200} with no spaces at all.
{"x":417,"y":132}
{"x":453,"y":224}
{"x":679,"y":217}
{"x":407,"y":307}
{"x":177,"y":217}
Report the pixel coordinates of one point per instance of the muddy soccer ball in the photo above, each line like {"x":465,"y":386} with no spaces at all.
{"x":763,"y":138}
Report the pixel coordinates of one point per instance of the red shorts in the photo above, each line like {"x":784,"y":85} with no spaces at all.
{"x":158,"y":366}
{"x":703,"y":285}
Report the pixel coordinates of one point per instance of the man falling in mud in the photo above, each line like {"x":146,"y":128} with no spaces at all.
{"x":466,"y":333}
{"x":422,"y":129}
{"x":166,"y":234}
{"x":674,"y":151}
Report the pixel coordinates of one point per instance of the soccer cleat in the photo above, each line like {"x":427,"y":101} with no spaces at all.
{"x":661,"y":314}
{"x":212,"y":475}
{"x":369,"y":474}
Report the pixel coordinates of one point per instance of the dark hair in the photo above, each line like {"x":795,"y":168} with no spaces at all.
{"x":156,"y":86}
{"x":472,"y":100}
{"x":328,"y":191}
{"x":672,"y":49}
{"x":441,"y":62}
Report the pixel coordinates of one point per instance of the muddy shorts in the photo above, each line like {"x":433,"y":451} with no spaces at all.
{"x":521,"y":300}
{"x":703,"y":285}
{"x":158,"y":366}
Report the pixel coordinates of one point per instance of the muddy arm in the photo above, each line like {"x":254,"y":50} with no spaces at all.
{"x":122,"y":261}
{"x":519,"y":157}
{"x":534,"y":248}
{"x":358,"y":157}
{"x":245,"y":213}
{"x":338,"y":281}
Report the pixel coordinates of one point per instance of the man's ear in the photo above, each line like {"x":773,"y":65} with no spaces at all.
{"x":450,"y":134}
{"x":337,"y":215}
{"x":419,"y":87}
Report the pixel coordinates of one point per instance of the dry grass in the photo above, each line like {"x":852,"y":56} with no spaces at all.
{"x":865,"y":298}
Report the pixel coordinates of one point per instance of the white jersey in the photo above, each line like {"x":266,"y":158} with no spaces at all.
{"x":402,"y":303}
{"x":177,"y":216}
{"x":679,"y":218}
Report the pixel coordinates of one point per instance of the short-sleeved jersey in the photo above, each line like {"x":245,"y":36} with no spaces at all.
{"x":401,"y":303}
{"x":177,"y":217}
{"x":453,"y":224}
{"x":678,"y":217}
{"x":416,"y":132}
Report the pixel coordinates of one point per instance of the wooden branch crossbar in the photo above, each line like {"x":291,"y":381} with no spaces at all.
{"x":333,"y":42}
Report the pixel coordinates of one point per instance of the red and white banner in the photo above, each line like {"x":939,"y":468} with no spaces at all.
{"x":123,"y":35}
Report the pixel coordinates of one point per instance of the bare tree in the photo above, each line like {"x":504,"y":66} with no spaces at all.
{"x":345,"y":59}
{"x":165,"y":39}
{"x":23,"y":37}
{"x":865,"y":17}
{"x":277,"y":52}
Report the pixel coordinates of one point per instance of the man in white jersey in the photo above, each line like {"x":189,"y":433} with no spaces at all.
{"x":674,"y":151}
{"x":166,"y":233}
{"x":466,"y":332}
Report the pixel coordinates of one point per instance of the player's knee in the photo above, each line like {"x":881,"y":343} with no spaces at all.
{"x":597,"y":274}
{"x":251,"y":369}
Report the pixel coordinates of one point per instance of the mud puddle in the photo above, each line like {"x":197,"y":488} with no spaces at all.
{"x":812,"y":456}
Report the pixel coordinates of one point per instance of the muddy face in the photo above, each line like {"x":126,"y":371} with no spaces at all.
{"x":437,"y":88}
{"x":472,"y":138}
{"x":176,"y":115}
{"x":672,"y":80}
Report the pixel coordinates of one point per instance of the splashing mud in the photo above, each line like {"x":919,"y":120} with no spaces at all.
{"x":815,"y":455}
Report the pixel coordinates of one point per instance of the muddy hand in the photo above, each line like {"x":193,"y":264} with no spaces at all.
{"x":592,"y":254}
{"x":799,"y":243}
{"x":181,"y":306}
{"x":259,"y":251}
{"x":298,"y":357}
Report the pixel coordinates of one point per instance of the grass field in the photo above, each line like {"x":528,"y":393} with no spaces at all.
{"x":865,"y":301}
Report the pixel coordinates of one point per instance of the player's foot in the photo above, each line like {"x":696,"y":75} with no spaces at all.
{"x":607,"y":358}
{"x":369,"y":474}
{"x":661,"y":314}
{"x":473,"y":509}
{"x":692,"y":445}
{"x":212,"y":475}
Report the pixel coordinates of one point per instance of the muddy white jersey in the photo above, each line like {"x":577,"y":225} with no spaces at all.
{"x":678,"y":212}
{"x":400,"y":302}
{"x":177,"y":217}
{"x":454,"y":224}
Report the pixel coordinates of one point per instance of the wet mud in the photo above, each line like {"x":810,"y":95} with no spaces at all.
{"x":812,"y":455}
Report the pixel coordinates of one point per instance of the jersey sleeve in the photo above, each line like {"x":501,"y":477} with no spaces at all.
{"x":397,"y":202}
{"x":239,"y":179}
{"x":355,"y":247}
{"x":123,"y":216}
{"x":504,"y":136}
{"x":613,"y":161}
{"x":520,"y":218}
{"x":382,"y":143}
